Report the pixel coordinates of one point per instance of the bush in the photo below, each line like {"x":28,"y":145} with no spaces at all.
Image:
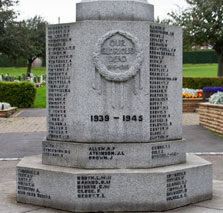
{"x":17,"y":94}
{"x":200,"y":57}
{"x":199,"y":83}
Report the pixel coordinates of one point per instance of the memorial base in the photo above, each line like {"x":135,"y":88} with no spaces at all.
{"x":84,"y":190}
{"x":113,"y":155}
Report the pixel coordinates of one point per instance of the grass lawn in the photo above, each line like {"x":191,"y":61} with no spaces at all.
{"x":40,"y":101}
{"x":200,"y":70}
{"x":189,"y":70}
{"x":13,"y":71}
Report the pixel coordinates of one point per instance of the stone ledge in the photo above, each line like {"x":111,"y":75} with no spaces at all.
{"x":7,"y":112}
{"x":82,"y":190}
{"x":9,"y":205}
{"x":113,"y":155}
{"x":115,"y":10}
{"x":220,"y":106}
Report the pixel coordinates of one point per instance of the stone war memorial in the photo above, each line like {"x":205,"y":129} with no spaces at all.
{"x":114,"y":136}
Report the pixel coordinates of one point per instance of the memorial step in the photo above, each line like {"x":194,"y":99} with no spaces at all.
{"x":84,"y":190}
{"x":113,"y":155}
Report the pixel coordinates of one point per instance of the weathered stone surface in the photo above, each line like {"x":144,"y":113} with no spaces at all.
{"x":114,"y":112}
{"x":114,"y":81}
{"x":9,"y":204}
{"x":114,"y":189}
{"x":133,"y":10}
{"x":113,"y":155}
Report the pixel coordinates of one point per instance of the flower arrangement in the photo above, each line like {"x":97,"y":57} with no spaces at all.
{"x":213,"y":89}
{"x":216,"y":98}
{"x":191,"y":93}
{"x":37,"y":85}
{"x":209,"y":91}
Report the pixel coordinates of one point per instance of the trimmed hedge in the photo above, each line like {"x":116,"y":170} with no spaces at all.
{"x":5,"y":61}
{"x":17,"y":94}
{"x":200,"y":57}
{"x":199,"y":83}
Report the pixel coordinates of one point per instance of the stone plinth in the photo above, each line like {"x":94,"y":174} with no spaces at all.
{"x":79,"y":190}
{"x":133,"y":10}
{"x":122,"y":82}
{"x":113,"y":155}
{"x":114,"y":116}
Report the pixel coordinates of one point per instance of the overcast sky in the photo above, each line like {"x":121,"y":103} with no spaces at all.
{"x":65,"y":9}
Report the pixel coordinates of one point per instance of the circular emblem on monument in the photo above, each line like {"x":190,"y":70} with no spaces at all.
{"x":117,"y":56}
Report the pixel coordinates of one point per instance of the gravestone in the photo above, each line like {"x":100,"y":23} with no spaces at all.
{"x":41,"y":79}
{"x":23,"y":77}
{"x":114,"y":124}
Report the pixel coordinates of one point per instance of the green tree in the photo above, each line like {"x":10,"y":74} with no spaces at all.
{"x":203,"y":24}
{"x":31,"y":40}
{"x":7,"y":17}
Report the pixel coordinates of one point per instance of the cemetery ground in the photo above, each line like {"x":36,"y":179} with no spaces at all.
{"x":13,"y":71}
{"x":21,"y":135}
{"x":189,"y":70}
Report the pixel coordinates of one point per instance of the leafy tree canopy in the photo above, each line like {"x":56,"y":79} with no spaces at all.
{"x":31,"y":39}
{"x":21,"y":39}
{"x":7,"y":16}
{"x":203,"y":24}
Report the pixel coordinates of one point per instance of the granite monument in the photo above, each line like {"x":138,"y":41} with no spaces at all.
{"x":114,"y":124}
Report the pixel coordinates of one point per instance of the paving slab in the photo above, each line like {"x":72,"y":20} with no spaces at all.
{"x":199,"y":139}
{"x":22,"y":124}
{"x":32,"y":112}
{"x":190,"y":118}
{"x":18,"y":145}
{"x":8,"y":171}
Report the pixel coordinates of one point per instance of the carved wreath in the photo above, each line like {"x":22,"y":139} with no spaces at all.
{"x":119,"y":77}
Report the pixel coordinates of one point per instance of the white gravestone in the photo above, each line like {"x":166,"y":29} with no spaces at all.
{"x":114,"y":117}
{"x":41,"y":79}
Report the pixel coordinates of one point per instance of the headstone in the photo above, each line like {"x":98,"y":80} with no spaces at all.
{"x":23,"y":77}
{"x":1,"y":78}
{"x":31,"y":79}
{"x":7,"y":77}
{"x":41,"y":79}
{"x":114,"y":117}
{"x":37,"y":62}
